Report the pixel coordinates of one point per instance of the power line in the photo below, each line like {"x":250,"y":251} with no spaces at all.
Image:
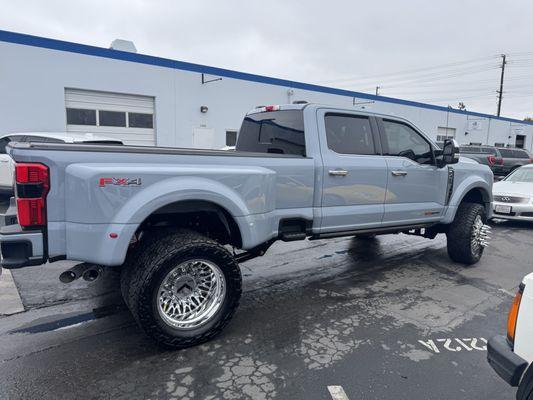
{"x":425,"y":79}
{"x":409,"y":71}
{"x":434,"y":75}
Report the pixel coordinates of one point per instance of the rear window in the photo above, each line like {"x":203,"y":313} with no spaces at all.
{"x":275,"y":132}
{"x":506,"y":153}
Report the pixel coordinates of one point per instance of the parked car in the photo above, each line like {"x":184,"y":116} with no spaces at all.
{"x":512,"y":356}
{"x":513,"y":159}
{"x":7,"y":165}
{"x":166,"y":216}
{"x":502,"y":161}
{"x":513,"y":196}
{"x":486,"y":155}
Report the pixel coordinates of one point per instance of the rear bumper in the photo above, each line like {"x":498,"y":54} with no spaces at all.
{"x":498,"y":170}
{"x":20,"y":248}
{"x":509,"y":366}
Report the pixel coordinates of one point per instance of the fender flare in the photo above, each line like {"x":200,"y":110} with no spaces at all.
{"x":470,"y":183}
{"x":173,"y":190}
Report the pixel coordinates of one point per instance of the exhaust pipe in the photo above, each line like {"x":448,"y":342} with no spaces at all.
{"x":92,"y":274}
{"x":79,"y":270}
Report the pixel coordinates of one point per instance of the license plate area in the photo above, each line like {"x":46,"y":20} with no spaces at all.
{"x":503,"y":209}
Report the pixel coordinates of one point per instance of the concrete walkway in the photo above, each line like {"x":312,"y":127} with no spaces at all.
{"x":10,"y":302}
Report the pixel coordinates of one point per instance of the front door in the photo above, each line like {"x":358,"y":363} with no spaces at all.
{"x":417,"y":188}
{"x":354,"y":173}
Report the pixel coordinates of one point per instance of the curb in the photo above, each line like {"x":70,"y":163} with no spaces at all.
{"x":10,"y":301}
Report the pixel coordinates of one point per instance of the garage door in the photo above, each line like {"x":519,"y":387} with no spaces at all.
{"x":126,"y":117}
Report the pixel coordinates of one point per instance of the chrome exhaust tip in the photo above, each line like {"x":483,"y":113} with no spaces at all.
{"x":89,"y":272}
{"x":92,"y":274}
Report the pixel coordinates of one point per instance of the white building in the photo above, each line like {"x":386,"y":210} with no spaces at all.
{"x":52,"y":85}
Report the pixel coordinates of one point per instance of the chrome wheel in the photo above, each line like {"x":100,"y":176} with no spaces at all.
{"x":480,"y":235}
{"x":191,"y":294}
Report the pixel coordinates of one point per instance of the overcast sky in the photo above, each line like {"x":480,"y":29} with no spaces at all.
{"x":349,"y":44}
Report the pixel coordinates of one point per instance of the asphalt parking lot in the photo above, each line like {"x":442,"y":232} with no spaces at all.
{"x":390,"y":318}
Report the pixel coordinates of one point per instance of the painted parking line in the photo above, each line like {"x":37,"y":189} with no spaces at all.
{"x":455,"y":344}
{"x":10,"y":302}
{"x":337,"y":393}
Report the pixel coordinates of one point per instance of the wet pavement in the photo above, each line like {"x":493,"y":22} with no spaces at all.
{"x":390,"y":318}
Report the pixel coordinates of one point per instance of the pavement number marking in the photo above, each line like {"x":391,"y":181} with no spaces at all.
{"x":337,"y":393}
{"x":455,"y":344}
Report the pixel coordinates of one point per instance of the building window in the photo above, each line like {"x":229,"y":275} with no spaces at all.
{"x":79,"y":116}
{"x":499,"y":144}
{"x":111,"y":118}
{"x":442,"y":138}
{"x":231,"y":138}
{"x":140,"y":120}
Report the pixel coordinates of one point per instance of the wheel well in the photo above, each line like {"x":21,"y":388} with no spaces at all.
{"x":477,"y":195}
{"x":204,"y":217}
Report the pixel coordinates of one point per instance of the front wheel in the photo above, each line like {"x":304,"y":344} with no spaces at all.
{"x":183,"y":289}
{"x":468,"y":234}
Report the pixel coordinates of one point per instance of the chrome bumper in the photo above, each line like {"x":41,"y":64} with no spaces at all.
{"x":522,"y":212}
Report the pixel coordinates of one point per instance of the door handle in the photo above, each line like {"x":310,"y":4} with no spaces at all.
{"x":338,"y":172}
{"x":399,"y":173}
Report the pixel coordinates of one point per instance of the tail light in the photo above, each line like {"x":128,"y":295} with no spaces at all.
{"x":493,"y":160}
{"x":32,"y":183}
{"x":531,"y":160}
{"x":513,"y":314}
{"x":271,"y":108}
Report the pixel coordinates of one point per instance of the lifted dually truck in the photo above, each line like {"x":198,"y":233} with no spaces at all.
{"x":170,"y":217}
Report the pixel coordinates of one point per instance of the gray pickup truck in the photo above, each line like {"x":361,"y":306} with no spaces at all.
{"x":178,"y":221}
{"x":501,"y":161}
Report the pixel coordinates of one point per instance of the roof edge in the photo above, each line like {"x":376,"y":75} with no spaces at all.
{"x":61,"y":45}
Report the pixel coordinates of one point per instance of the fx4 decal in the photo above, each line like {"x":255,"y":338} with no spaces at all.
{"x":120,"y":182}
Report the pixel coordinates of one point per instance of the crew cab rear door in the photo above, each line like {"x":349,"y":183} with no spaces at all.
{"x":354,"y":173}
{"x":416,"y":189}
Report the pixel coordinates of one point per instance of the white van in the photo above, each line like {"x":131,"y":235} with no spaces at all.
{"x":512,"y":356}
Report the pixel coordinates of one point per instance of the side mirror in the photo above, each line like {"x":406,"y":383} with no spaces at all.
{"x":450,"y":152}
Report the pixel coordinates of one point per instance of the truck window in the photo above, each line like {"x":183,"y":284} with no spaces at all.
{"x":403,"y":141}
{"x":470,"y":149}
{"x":489,"y":150}
{"x":349,"y":134}
{"x":277,"y":132}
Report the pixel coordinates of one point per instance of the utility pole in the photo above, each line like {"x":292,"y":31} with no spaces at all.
{"x":377,"y":90}
{"x":500,"y":92}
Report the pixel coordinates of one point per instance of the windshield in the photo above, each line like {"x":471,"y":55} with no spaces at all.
{"x":521,"y":175}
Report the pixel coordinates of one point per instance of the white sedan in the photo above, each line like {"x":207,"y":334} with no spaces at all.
{"x":513,"y":196}
{"x":6,"y":163}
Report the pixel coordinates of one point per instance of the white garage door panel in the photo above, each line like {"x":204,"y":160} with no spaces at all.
{"x":92,"y":100}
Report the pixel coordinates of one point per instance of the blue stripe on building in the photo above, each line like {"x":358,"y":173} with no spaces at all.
{"x":53,"y":44}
